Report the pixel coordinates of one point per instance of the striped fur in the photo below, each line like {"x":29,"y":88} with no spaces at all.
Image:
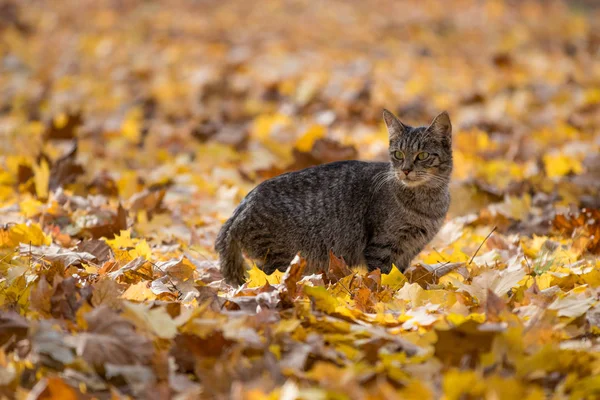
{"x":371,"y":213}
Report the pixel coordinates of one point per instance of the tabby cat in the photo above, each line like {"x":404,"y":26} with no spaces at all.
{"x":370,"y":213}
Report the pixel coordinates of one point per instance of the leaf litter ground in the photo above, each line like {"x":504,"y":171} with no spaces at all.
{"x":130,"y":130}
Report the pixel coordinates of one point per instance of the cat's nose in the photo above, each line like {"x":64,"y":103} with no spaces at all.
{"x":406,"y":171}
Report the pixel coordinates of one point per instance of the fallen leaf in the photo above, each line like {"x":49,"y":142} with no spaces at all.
{"x":110,"y":339}
{"x":337,"y":268}
{"x":54,"y":253}
{"x":572,"y":305}
{"x":52,"y":389}
{"x":12,"y":327}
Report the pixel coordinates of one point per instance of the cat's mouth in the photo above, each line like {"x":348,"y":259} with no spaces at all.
{"x":412,"y":181}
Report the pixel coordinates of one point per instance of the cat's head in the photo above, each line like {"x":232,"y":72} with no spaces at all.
{"x":423,"y":155}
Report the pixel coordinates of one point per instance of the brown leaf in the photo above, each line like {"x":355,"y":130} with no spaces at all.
{"x":39,"y":299}
{"x":337,"y":268}
{"x":323,"y":151}
{"x":106,"y":292}
{"x":494,"y":306}
{"x":584,"y":225}
{"x":65,"y":170}
{"x":66,"y":130}
{"x":149,"y":200}
{"x":108,"y":224}
{"x":24,"y":173}
{"x":57,"y":254}
{"x":176,"y":268}
{"x":112,"y":339}
{"x":138,"y":378}
{"x":98,"y":248}
{"x":134,"y":271}
{"x":373,"y":280}
{"x":364,"y":300}
{"x":12,"y":327}
{"x":189,"y":348}
{"x":425,"y":274}
{"x":293,"y":275}
{"x":67,"y":298}
{"x":462,"y":344}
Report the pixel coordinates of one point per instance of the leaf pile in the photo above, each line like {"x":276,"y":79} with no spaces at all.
{"x":130,"y":130}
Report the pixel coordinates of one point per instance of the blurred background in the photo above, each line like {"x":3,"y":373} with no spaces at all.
{"x":165,"y":114}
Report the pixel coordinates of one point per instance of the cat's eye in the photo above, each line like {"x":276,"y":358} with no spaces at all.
{"x":423,"y":156}
{"x":398,"y":155}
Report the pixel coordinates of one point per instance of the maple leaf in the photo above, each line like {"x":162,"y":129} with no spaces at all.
{"x":12,"y":327}
{"x":337,"y":268}
{"x":292,"y":276}
{"x":110,"y":339}
{"x":53,"y":388}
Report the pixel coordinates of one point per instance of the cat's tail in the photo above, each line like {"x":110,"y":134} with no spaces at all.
{"x":231,"y":260}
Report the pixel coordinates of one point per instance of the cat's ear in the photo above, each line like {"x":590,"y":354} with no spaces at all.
{"x":441,"y":125}
{"x":394,"y":126}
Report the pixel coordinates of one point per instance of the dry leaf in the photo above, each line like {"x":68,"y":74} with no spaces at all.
{"x":110,"y":339}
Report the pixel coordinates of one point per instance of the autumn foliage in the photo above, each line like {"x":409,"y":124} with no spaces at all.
{"x":129,"y":130}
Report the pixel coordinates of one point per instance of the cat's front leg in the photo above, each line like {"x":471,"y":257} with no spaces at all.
{"x":379,"y":255}
{"x":402,"y":261}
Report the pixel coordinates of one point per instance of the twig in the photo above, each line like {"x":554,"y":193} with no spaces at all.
{"x":168,"y":275}
{"x":481,"y":245}
{"x":440,"y":254}
{"x":345,"y":288}
{"x":528,"y":265}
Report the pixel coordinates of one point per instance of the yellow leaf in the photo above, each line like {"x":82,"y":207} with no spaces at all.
{"x":306,"y":141}
{"x":139,"y":292}
{"x":395,"y":279}
{"x":60,"y":120}
{"x":544,"y":281}
{"x":287,"y":326}
{"x":131,"y":127}
{"x":142,"y":249}
{"x":457,"y":384}
{"x":587,"y":388}
{"x":265,"y":128}
{"x":6,"y":192}
{"x":23,"y":233}
{"x":592,"y":96}
{"x":30,"y":207}
{"x":121,"y":241}
{"x":128,"y":183}
{"x":321,"y":298}
{"x":459,"y":319}
{"x":416,"y":389}
{"x":265,"y":124}
{"x":444,"y":298}
{"x":499,"y":172}
{"x":560,"y":164}
{"x":257,"y":278}
{"x":276,"y":350}
{"x":41,"y":179}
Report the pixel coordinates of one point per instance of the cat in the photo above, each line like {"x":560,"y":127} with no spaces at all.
{"x":370,"y":213}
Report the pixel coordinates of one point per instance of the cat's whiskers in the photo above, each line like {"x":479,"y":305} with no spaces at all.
{"x":438,"y":180}
{"x":382,"y":178}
